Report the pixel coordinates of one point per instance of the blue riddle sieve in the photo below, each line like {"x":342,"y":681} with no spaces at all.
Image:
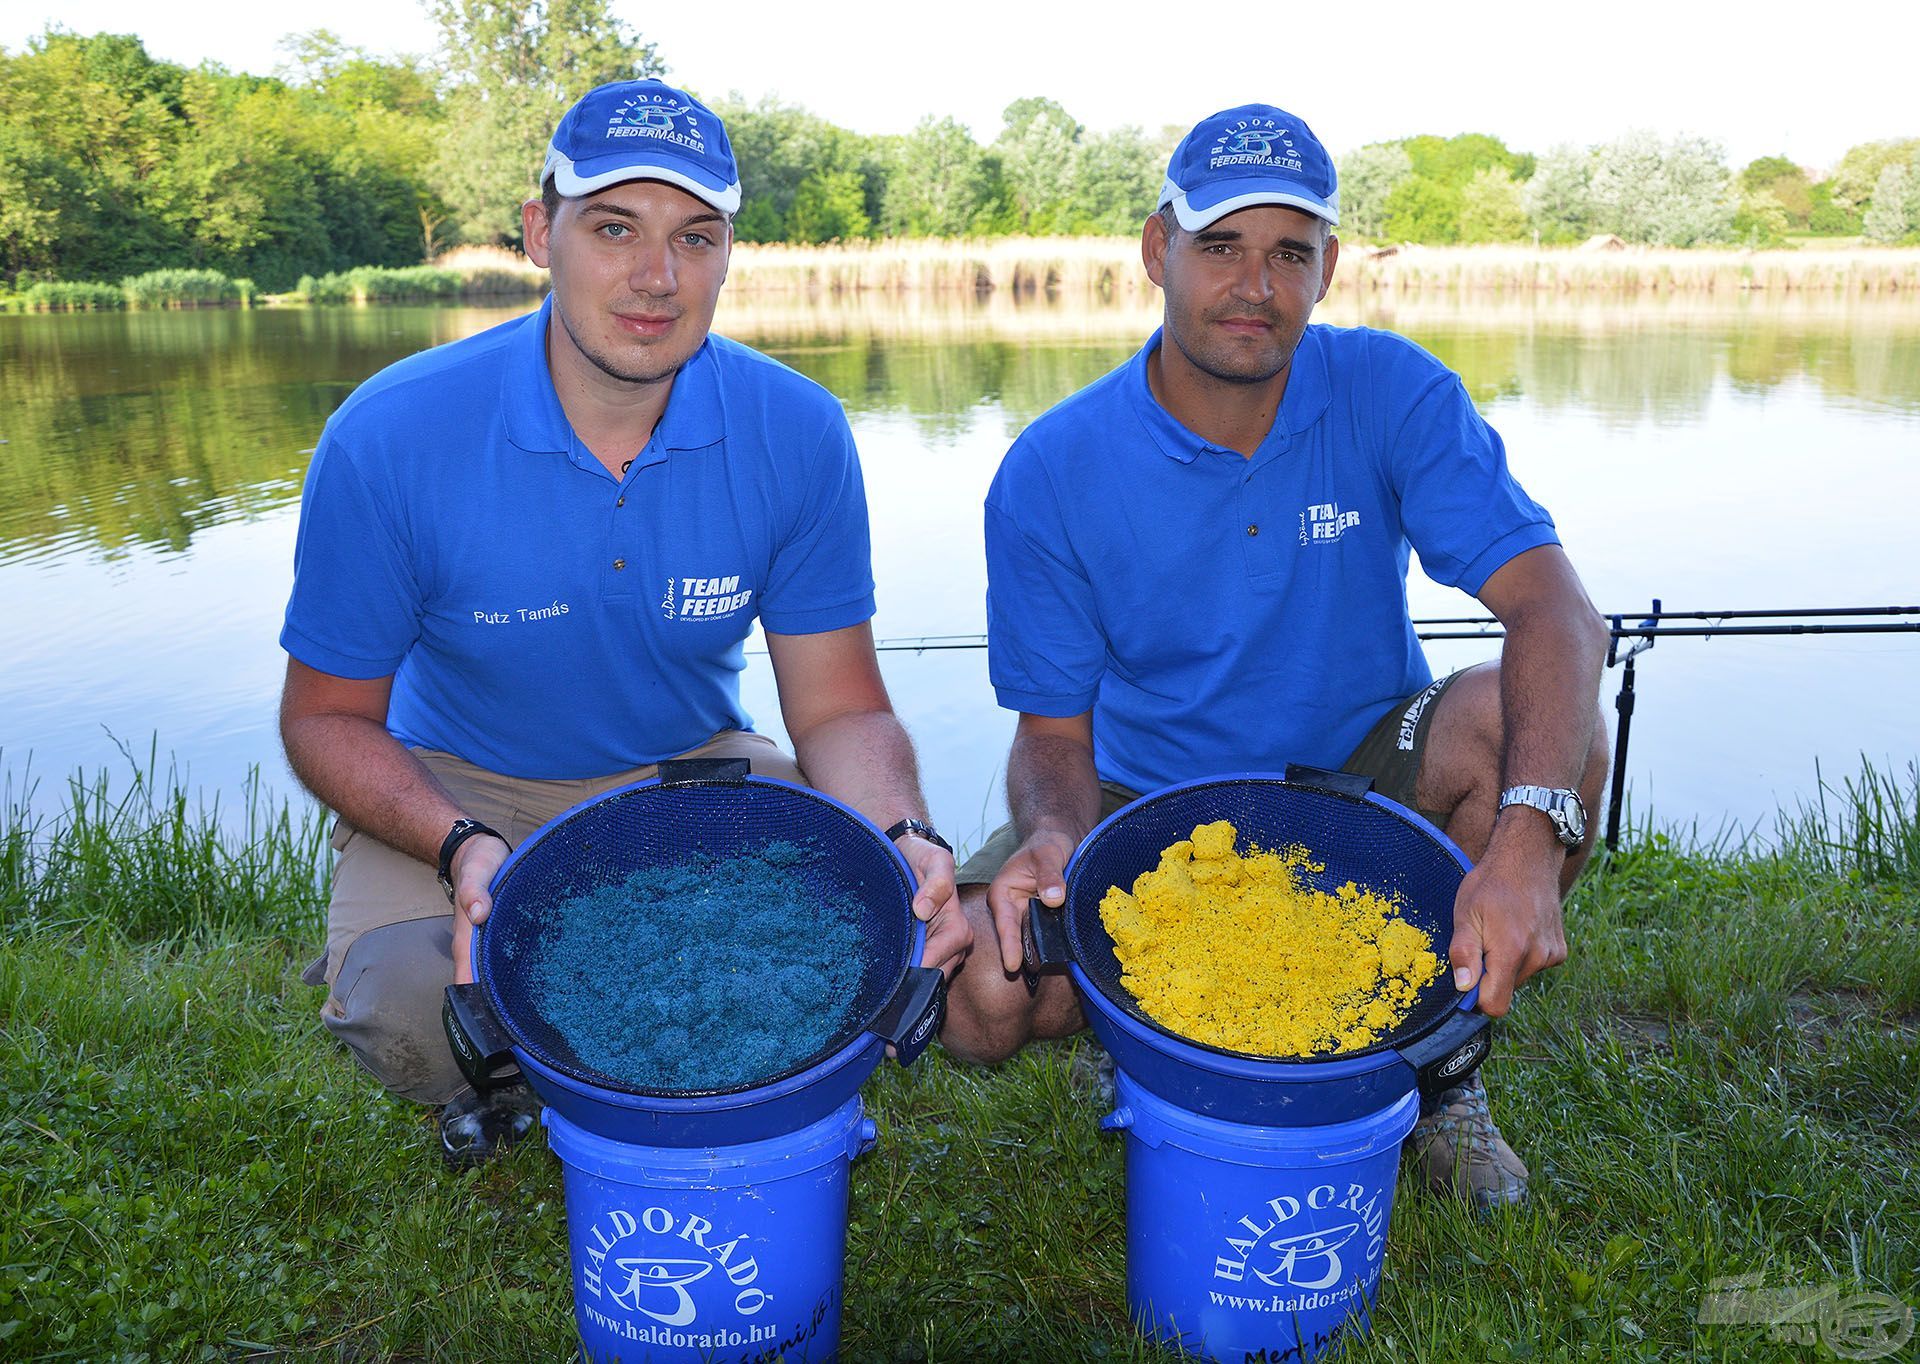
{"x":710,"y":807}
{"x":1360,"y":836}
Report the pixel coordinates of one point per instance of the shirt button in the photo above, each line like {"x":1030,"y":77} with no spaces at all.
{"x":621,"y":503}
{"x":1253,"y":530}
{"x":619,"y":563}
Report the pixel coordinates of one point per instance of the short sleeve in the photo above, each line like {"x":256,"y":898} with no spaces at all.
{"x":355,"y":608}
{"x":1463,"y":512}
{"x":821,"y":577}
{"x":1046,"y":653}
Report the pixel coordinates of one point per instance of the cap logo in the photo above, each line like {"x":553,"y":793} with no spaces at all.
{"x":657,"y":116}
{"x":1250,"y":142}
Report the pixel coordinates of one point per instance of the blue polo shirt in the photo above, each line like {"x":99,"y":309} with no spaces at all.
{"x":540,"y":616}
{"x":1224,"y":614}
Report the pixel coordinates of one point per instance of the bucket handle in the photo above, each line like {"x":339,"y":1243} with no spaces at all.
{"x":1449,"y":1054}
{"x":481,"y":1046}
{"x":914,"y":1014}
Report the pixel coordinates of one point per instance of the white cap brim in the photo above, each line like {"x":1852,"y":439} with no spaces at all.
{"x":1193,"y":219}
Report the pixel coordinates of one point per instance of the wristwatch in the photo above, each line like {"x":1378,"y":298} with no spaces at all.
{"x":1559,"y":804}
{"x":919,"y":829}
{"x":462,"y":830}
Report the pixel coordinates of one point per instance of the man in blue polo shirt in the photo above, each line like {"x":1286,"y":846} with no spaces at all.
{"x":1197,"y":565}
{"x":526,"y":567}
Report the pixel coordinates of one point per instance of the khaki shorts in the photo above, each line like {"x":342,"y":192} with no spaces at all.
{"x":1390,"y":754}
{"x":389,"y":951}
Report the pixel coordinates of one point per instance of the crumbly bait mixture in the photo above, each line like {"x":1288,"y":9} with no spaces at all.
{"x":708,"y":974}
{"x":1239,"y":950}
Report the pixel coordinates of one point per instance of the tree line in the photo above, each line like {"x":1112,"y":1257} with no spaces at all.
{"x":113,"y":163}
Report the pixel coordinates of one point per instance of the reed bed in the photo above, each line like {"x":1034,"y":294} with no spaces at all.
{"x":1110,"y":266}
{"x":62,"y":296}
{"x":186,"y":289}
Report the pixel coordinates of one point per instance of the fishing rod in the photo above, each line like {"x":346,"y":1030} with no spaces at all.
{"x":1813,"y":620}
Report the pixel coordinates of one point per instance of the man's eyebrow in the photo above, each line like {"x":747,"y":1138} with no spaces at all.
{"x":618,"y":211}
{"x":1207,"y":236}
{"x":1301,"y":247}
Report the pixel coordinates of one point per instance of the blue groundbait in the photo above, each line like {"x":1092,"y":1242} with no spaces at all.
{"x":1259,"y":1191}
{"x":710,"y":1225}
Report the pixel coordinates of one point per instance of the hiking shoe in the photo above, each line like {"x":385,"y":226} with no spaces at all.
{"x":1461,"y":1153}
{"x":474,"y":1128}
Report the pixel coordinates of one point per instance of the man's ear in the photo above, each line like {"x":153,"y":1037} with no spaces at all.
{"x":536,"y":232}
{"x":1153,"y":247}
{"x":1329,"y":257}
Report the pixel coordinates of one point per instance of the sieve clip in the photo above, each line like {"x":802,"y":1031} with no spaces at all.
{"x":1351,"y":784}
{"x":1043,"y":941}
{"x":1445,"y":1057}
{"x":912,"y":1017}
{"x":704,"y":771}
{"x":479,"y":1041}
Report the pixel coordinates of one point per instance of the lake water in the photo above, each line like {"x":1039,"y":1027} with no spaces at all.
{"x":1746,"y":454}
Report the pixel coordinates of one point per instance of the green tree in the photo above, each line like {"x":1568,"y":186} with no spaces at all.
{"x":1894,"y":214}
{"x":1491,"y":207}
{"x":1858,"y":173}
{"x":1559,"y":196}
{"x":779,"y":146}
{"x":1761,"y":220}
{"x":1039,"y":154}
{"x":512,"y":69}
{"x":1677,"y":193}
{"x":829,"y":206}
{"x":1118,"y":178}
{"x":938,"y":182}
{"x":1787,"y":184}
{"x":1368,"y":178}
{"x":1423,"y":210}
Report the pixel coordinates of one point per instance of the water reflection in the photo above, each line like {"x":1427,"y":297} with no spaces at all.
{"x":146,"y":428}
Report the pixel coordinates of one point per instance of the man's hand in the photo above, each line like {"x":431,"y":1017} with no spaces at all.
{"x":937,"y":903}
{"x":474,"y":865}
{"x":1039,"y":868}
{"x":1507,"y":924}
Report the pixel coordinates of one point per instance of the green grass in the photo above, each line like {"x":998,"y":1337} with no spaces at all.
{"x":373,"y":283}
{"x":1724,"y":1079}
{"x":185,"y":289}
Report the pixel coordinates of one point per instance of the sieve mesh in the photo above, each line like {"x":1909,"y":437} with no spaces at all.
{"x":1372,"y":844}
{"x":650,"y":826}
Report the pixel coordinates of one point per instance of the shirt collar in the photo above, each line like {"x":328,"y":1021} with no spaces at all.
{"x":1305,"y":400}
{"x":695,"y":416}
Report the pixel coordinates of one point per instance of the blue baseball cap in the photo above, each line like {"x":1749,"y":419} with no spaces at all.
{"x":1252,"y":154}
{"x":643,"y":130}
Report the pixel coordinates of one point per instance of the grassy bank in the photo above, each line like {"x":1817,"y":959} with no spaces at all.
{"x":1724,"y":1080}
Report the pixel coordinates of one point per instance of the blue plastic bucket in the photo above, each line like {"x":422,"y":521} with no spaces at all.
{"x":730,"y":1253}
{"x":1254,"y":1243}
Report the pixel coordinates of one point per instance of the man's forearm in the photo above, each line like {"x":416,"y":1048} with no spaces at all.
{"x":372,"y":781}
{"x":1052,"y":787}
{"x":1549,"y":678}
{"x":865,"y":759}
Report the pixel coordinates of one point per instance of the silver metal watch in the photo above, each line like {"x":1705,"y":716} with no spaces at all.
{"x":1559,"y":804}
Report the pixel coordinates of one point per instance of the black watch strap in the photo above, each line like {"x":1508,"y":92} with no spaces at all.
{"x":920,"y":829}
{"x":462,"y":830}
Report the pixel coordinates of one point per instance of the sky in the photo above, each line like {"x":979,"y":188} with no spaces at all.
{"x":1758,"y":79}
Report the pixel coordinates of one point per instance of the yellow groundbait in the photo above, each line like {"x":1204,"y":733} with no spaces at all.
{"x":1239,"y":950}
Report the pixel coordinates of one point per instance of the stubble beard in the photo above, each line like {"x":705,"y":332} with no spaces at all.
{"x":606,"y":364}
{"x":1216,"y":366}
